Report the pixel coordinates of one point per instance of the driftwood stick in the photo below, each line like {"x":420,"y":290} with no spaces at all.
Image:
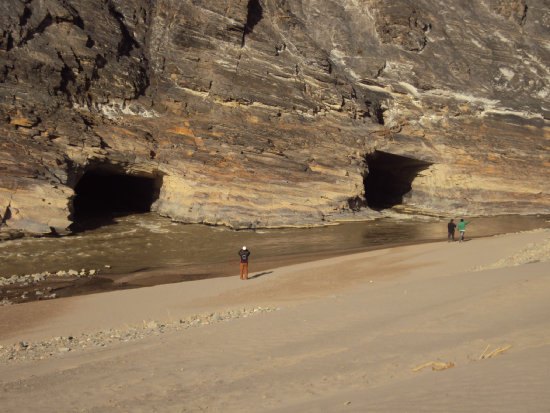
{"x":493,"y":353}
{"x":435,"y":365}
{"x":498,"y":351}
{"x":482,"y":355}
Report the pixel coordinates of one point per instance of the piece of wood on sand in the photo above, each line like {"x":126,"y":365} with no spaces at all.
{"x":493,"y":353}
{"x":435,"y":365}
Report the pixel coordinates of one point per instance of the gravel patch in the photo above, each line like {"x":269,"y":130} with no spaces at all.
{"x":57,"y":346}
{"x":28,"y":279}
{"x":28,"y":287}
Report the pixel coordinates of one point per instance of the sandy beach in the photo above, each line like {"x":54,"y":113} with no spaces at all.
{"x":433,"y":327}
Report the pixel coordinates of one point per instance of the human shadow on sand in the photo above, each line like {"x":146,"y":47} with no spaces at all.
{"x":260,"y":275}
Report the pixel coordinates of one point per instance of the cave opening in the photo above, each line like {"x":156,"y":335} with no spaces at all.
{"x":389,"y":178}
{"x":102,"y":195}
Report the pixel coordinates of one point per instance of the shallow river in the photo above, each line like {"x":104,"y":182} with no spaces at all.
{"x":149,"y":242}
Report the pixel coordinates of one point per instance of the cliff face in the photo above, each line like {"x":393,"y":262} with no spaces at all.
{"x":272,"y":112}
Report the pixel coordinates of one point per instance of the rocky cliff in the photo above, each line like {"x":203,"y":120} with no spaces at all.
{"x":272,"y":112}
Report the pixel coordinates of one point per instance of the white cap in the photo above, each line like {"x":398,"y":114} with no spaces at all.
{"x":244,"y":247}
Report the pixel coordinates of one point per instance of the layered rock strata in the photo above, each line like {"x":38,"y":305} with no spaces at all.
{"x":255,"y":113}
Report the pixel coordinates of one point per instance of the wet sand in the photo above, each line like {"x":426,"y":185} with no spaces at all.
{"x":431,"y":327}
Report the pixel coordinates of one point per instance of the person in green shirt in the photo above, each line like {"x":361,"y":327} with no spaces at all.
{"x":462,"y":229}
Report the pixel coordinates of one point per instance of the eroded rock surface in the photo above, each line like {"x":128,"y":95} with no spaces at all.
{"x":267,"y":112}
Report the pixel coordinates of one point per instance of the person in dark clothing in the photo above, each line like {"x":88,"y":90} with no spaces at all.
{"x":243,"y":254}
{"x":451,"y":228}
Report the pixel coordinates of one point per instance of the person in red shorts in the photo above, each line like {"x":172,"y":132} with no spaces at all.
{"x":243,"y":254}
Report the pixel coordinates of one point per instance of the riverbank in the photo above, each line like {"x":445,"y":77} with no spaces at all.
{"x":431,"y":327}
{"x":145,"y":250}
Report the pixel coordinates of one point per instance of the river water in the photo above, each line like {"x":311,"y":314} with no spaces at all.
{"x":145,"y":242}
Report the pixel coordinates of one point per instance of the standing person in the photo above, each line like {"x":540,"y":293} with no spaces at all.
{"x":451,"y":228}
{"x":244,"y":253}
{"x":462,"y":228}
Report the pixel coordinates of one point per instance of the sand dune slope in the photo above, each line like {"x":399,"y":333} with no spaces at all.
{"x":346,"y":335}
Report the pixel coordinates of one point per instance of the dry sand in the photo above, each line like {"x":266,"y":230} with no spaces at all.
{"x":348,"y":334}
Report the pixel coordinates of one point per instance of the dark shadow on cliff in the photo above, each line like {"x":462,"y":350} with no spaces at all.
{"x":389,"y":178}
{"x":253,"y":17}
{"x":101,"y":196}
{"x":6,"y":216}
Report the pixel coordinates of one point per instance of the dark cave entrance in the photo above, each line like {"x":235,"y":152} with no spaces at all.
{"x":390,"y":177}
{"x":103,"y":194}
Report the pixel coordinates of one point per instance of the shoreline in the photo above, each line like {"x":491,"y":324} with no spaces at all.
{"x":71,"y":286}
{"x":27,"y":290}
